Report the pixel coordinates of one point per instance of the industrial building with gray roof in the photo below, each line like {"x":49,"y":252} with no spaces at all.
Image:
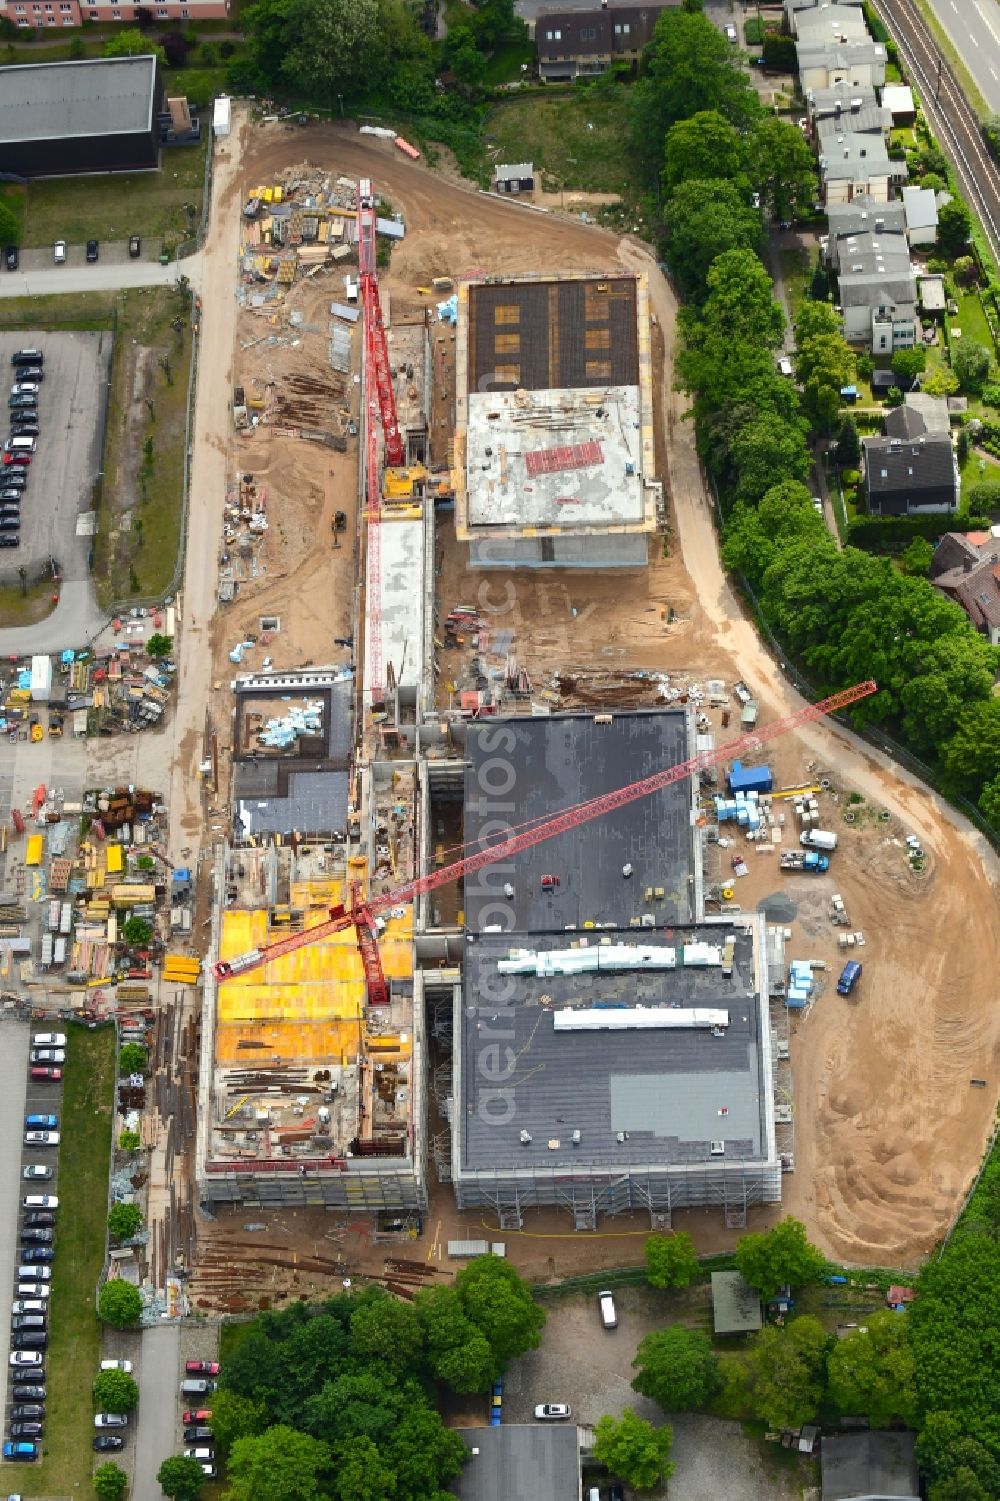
{"x":96,"y":115}
{"x":612,"y":1046}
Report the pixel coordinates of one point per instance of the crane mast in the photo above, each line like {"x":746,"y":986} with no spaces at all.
{"x":363,"y":911}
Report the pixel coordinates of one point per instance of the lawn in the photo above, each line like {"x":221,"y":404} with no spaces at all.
{"x":27,"y":607}
{"x":972,"y":321}
{"x":578,"y":140}
{"x":796,"y":275}
{"x":505,"y":64}
{"x":114,"y":205}
{"x":72,"y":1356}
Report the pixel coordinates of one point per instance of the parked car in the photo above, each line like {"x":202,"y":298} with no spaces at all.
{"x":59,"y":252}
{"x":28,"y":1305}
{"x":111,"y":1420}
{"x":26,"y":1321}
{"x":28,"y":1410}
{"x":25,"y":429}
{"x":19,"y":1450}
{"x":134,"y":247}
{"x":200,"y":1453}
{"x":193,"y":1387}
{"x":108,"y":1443}
{"x":10,"y":539}
{"x":555,"y":1412}
{"x":93,"y":250}
{"x":36,"y":1235}
{"x":48,"y":1055}
{"x":49,"y":1040}
{"x":34,"y":1272}
{"x":24,"y":1358}
{"x":12,"y":258}
{"x":31,"y":1339}
{"x":193,"y":1435}
{"x":24,"y":387}
{"x":608,"y":1312}
{"x":32,"y":1254}
{"x":10,"y":493}
{"x":37,"y":1172}
{"x":9,"y":523}
{"x":45,"y":1075}
{"x":209,"y":1471}
{"x":34,"y":373}
{"x":41,"y":1138}
{"x":117,"y":1365}
{"x":39,"y":1217}
{"x":33,"y":1289}
{"x":201,"y":1367}
{"x":28,"y":357}
{"x":30,"y":1429}
{"x":30,"y":1392}
{"x":40,"y":1201}
{"x":197,"y":1415}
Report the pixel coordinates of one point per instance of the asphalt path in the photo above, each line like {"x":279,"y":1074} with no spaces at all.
{"x":13,"y":1076}
{"x":973,"y":27}
{"x":104,"y":277}
{"x":156,"y":1435}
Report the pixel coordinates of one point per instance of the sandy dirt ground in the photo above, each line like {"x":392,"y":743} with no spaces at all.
{"x":888,"y":1129}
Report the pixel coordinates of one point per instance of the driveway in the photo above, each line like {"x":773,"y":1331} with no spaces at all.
{"x":156,"y":1436}
{"x":104,"y":277}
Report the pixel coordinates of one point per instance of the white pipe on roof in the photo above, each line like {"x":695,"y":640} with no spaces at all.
{"x":625,"y":1018}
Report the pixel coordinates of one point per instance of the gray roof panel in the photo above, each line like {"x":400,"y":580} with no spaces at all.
{"x":99,"y":97}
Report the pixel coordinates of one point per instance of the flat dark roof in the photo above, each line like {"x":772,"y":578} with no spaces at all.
{"x":520,"y":1462}
{"x":273,"y":798}
{"x":671,"y":1090}
{"x":332,"y":745}
{"x":552,"y":335}
{"x":518,"y":770}
{"x":876,"y":1466}
{"x":95,"y":97}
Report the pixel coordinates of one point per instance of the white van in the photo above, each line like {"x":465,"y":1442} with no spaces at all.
{"x":606,"y":1303}
{"x":20,"y":445}
{"x":41,"y":1201}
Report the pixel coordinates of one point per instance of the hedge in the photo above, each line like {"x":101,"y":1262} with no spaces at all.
{"x":892,"y":534}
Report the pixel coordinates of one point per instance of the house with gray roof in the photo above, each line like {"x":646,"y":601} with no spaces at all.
{"x":829,"y":23}
{"x":877,"y":291}
{"x":838,"y":99}
{"x":862,"y":215}
{"x":869,"y":1467}
{"x":921,"y":215}
{"x":584,"y":43}
{"x":851,"y":163}
{"x":736,"y":1307}
{"x":910,"y":477}
{"x":860,"y":118}
{"x":966,"y":568}
{"x":540,"y":1461}
{"x":860,"y":64}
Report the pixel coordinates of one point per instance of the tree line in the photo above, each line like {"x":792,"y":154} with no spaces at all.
{"x":842,"y":615}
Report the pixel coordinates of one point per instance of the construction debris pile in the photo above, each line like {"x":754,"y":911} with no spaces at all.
{"x":244,"y":524}
{"x":280,"y":733}
{"x":120,"y":688}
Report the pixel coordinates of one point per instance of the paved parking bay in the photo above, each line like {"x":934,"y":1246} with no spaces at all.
{"x":159,"y":1377}
{"x":14,"y":1044}
{"x":67,"y":462}
{"x":110,"y":253}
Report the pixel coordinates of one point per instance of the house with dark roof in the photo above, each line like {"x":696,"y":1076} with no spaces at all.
{"x":584,"y":43}
{"x":540,"y":1461}
{"x":918,"y":415}
{"x":910,"y":477}
{"x":869,"y":1467}
{"x":97,"y":115}
{"x":966,"y":568}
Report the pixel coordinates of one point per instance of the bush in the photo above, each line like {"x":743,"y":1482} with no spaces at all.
{"x":115,"y":1391}
{"x":991,"y":394}
{"x":137,"y":931}
{"x":175,"y":47}
{"x":119,"y":1303}
{"x":132,"y":1059}
{"x":129,"y":1141}
{"x":110,"y":1482}
{"x":891,"y":534}
{"x":124,"y":1220}
{"x":227,"y":49}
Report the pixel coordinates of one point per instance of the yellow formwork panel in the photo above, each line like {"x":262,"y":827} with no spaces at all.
{"x":290,"y":1042}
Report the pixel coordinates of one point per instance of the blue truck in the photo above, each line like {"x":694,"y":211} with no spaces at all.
{"x":810,"y":860}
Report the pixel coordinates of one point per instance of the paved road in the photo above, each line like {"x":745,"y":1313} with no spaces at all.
{"x":103,"y":277}
{"x":156,"y":1434}
{"x":973,"y":27}
{"x":948,"y":110}
{"x":75,"y":620}
{"x":13,"y":1076}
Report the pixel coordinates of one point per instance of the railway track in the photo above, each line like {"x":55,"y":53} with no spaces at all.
{"x":955,"y":124}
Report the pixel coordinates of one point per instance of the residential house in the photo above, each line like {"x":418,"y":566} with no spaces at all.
{"x":33,"y":14}
{"x":919,"y":414}
{"x":837,"y":99}
{"x":860,"y":64}
{"x":878,"y":292}
{"x":869,"y":1467}
{"x":829,"y":23}
{"x":858,"y":117}
{"x":537,"y":1460}
{"x":793,"y":8}
{"x":966,"y":568}
{"x":897,"y":98}
{"x":910,"y":477}
{"x":861,"y":215}
{"x":921,"y":215}
{"x":850,"y":164}
{"x":584,"y":43}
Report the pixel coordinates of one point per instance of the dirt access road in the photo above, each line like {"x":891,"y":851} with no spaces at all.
{"x":889,"y":1132}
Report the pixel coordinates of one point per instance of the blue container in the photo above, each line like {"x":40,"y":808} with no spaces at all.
{"x":750,"y":778}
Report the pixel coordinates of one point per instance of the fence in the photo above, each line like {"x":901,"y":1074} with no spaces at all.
{"x":189,"y":247}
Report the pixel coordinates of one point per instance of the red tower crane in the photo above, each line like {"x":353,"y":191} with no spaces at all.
{"x":362,"y":911}
{"x":378,"y":392}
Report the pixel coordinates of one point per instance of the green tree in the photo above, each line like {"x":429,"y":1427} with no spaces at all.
{"x":235,"y":1417}
{"x":159,"y":646}
{"x":10,"y":229}
{"x":939,"y":382}
{"x":771,"y":1258}
{"x":677,"y":1368}
{"x":457,"y":1352}
{"x":500,"y":1305}
{"x":786,"y":167}
{"x":181,"y":1479}
{"x":909,"y":362}
{"x":848,"y":450}
{"x":917,"y":558}
{"x":124,"y":1220}
{"x":740,"y":303}
{"x":119,"y":1303}
{"x":784,"y":1370}
{"x":632,"y":1448}
{"x":129,"y":1141}
{"x":137,"y":931}
{"x":278,"y":1465}
{"x":704,"y":145}
{"x":115,"y":1391}
{"x":361,"y":1473}
{"x":963,"y":446}
{"x":954,"y":226}
{"x":132,"y":1058}
{"x":765,"y":449}
{"x":971,"y":363}
{"x":965,"y":269}
{"x":110,"y":1482}
{"x":824,"y":364}
{"x":387,"y":1331}
{"x":755,"y":535}
{"x":319,"y":47}
{"x":424,"y":1453}
{"x":971,"y":756}
{"x":464,"y":58}
{"x":819,"y":286}
{"x":701,"y":219}
{"x":132,"y":43}
{"x":689,"y":68}
{"x":870,"y":1372}
{"x":670,"y":1260}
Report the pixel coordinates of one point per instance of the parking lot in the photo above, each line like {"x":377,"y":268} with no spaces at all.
{"x":111,"y":253}
{"x":591,"y":1368}
{"x":68,"y":458}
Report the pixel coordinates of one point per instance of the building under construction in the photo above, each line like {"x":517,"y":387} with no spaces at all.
{"x":611,"y":1046}
{"x":554,"y":449}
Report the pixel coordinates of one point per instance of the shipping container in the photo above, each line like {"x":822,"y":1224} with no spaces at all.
{"x":33,"y":849}
{"x":222,"y":117}
{"x":41,"y":679}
